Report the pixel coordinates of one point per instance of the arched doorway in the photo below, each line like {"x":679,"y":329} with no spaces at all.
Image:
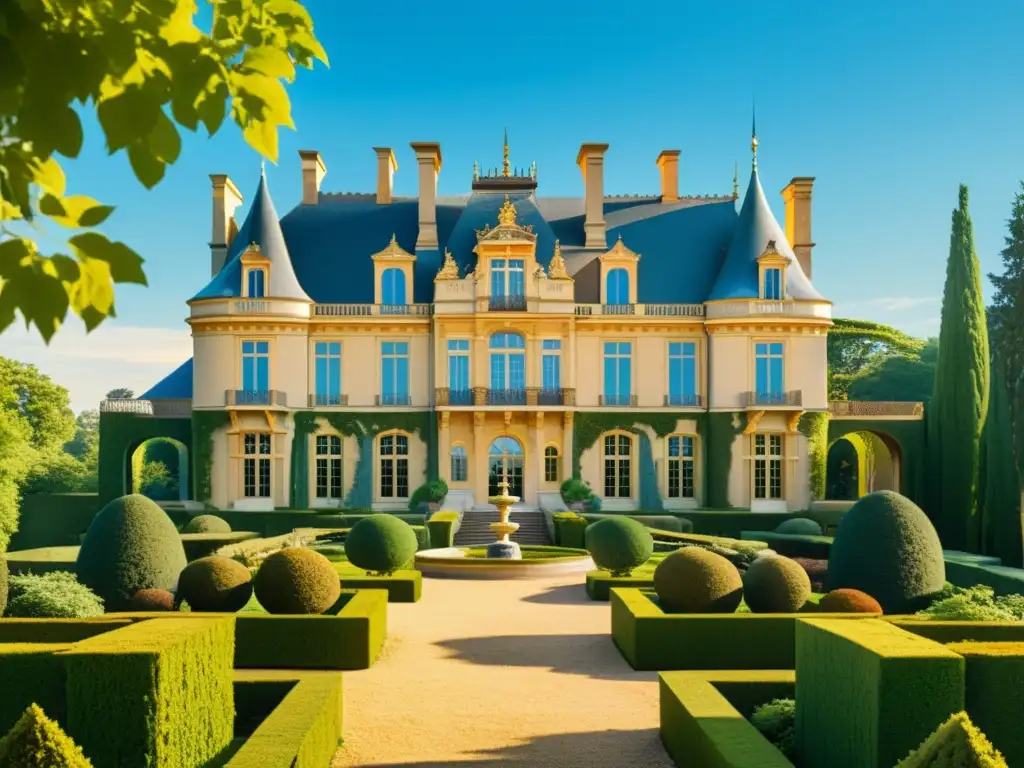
{"x":158,"y":468}
{"x":505,"y":463}
{"x":862,"y":462}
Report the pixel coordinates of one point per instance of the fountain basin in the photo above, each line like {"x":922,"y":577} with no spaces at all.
{"x":538,"y":562}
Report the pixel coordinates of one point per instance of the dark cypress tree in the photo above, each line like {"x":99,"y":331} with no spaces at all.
{"x":1002,"y":529}
{"x":959,"y":403}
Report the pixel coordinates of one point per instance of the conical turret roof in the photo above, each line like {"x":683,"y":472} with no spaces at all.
{"x":263,"y":228}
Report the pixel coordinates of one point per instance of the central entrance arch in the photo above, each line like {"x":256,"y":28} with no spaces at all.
{"x":505,"y":463}
{"x":861,"y":462}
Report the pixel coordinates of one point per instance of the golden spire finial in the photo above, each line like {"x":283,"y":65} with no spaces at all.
{"x":556,"y":268}
{"x":735,"y":181}
{"x":753,"y":136}
{"x":507,"y":214}
{"x":504,"y":164}
{"x":449,"y":269}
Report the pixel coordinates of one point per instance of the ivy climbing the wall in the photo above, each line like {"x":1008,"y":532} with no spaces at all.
{"x":204,"y":424}
{"x":719,"y":434}
{"x":814,"y":426}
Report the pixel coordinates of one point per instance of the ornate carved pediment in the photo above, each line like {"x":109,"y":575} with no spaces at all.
{"x":556,"y":269}
{"x":393,"y":252}
{"x":620,"y":252}
{"x":449,"y":270}
{"x":507,"y":228}
{"x":770,"y":255}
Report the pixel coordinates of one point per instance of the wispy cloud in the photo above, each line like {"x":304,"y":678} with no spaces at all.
{"x":888,"y":304}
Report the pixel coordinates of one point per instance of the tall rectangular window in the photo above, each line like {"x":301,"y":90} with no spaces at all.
{"x":768,"y":458}
{"x":460,"y":464}
{"x":618,"y":451}
{"x":682,"y":373}
{"x":508,"y":277}
{"x":255,"y":367}
{"x":769,"y":372}
{"x":551,"y":365}
{"x":394,"y":373}
{"x":680,"y":467}
{"x":394,"y":467}
{"x":617,"y":370}
{"x":257,"y":277}
{"x":256,"y":465}
{"x":328,"y":372}
{"x":459,"y":392}
{"x":328,"y":467}
{"x":773,"y":284}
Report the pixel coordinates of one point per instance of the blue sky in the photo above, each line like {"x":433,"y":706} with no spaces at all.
{"x":889,"y":105}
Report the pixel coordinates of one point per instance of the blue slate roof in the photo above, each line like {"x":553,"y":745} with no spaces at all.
{"x":482,"y":210}
{"x":755,"y":227}
{"x":177,"y":384}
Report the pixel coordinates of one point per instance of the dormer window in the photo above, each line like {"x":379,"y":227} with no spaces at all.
{"x":255,"y":273}
{"x":772,"y":273}
{"x":392,"y":286}
{"x":619,"y":277}
{"x":392,"y":275}
{"x":256,"y":280}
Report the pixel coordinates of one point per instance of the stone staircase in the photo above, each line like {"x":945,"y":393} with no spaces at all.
{"x":474,"y":530}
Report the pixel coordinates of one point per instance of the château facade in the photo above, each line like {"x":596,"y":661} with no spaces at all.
{"x":663,"y":348}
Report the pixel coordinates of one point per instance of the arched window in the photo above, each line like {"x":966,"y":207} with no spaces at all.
{"x":328,"y":467}
{"x":392,"y":287}
{"x":508,"y":370}
{"x":681,"y":453}
{"x":394,"y":466}
{"x":505,"y":464}
{"x":460,"y":464}
{"x":618,"y":286}
{"x":256,"y":288}
{"x":551,"y":464}
{"x":618,"y":454}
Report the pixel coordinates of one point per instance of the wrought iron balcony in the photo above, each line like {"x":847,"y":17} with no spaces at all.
{"x":551,"y":397}
{"x":506,"y":397}
{"x":685,"y":401}
{"x":371,"y":310}
{"x":324,"y":400}
{"x":264,"y":397}
{"x":507,"y":304}
{"x":618,"y":309}
{"x":617,"y":400}
{"x":449,"y":396}
{"x":792,"y":399}
{"x":393,"y":399}
{"x":644,"y":310}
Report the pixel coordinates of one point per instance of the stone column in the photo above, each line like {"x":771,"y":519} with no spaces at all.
{"x":478,"y":462}
{"x":535,"y":434}
{"x":567,"y":436}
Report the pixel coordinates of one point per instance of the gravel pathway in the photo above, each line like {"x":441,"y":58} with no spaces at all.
{"x":501,"y":673}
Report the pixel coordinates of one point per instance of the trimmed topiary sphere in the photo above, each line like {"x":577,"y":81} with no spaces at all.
{"x":776,"y":585}
{"x":694,"y":580}
{"x":888,"y":548}
{"x":381,"y":544}
{"x":849,"y":601}
{"x":130,"y":545}
{"x":801,"y":526}
{"x":297,"y":580}
{"x":152,"y":600}
{"x":206,"y":524}
{"x":216,"y":584}
{"x":619,"y":544}
{"x":3,"y":584}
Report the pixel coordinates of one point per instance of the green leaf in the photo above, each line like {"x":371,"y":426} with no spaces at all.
{"x":212,"y":104}
{"x":128,"y":116}
{"x":164,"y":140}
{"x":74,"y":211}
{"x":93,"y":217}
{"x":148,"y":169}
{"x":65,"y":267}
{"x":125,"y":264}
{"x":50,"y":176}
{"x":180,"y":27}
{"x":41,"y":298}
{"x":13,"y":253}
{"x":269,"y":61}
{"x":92,"y":296}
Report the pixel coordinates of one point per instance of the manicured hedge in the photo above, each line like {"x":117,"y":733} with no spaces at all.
{"x":961,"y":631}
{"x":650,"y":639}
{"x":570,"y":530}
{"x":157,"y":693}
{"x":1003,"y":579}
{"x":700,"y":726}
{"x":56,"y":630}
{"x":441,"y":528}
{"x":660,"y":522}
{"x":895,"y":688}
{"x":401,"y":586}
{"x":793,"y":544}
{"x":994,"y":687}
{"x":43,"y":560}
{"x":53,"y":520}
{"x":601,"y":583}
{"x":303,"y":730}
{"x":31,"y":673}
{"x":199,"y":545}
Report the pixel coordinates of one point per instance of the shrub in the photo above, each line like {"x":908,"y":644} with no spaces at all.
{"x":817,"y":571}
{"x":206,"y":524}
{"x":54,"y":595}
{"x":216,"y":584}
{"x":297,"y":581}
{"x":380,"y":544}
{"x":694,"y":580}
{"x":619,"y":544}
{"x":887,"y":547}
{"x":441,"y":528}
{"x":3,"y":584}
{"x":570,"y":529}
{"x":802,"y":526}
{"x":575,"y":491}
{"x":776,"y":721}
{"x":152,"y":600}
{"x":130,"y":545}
{"x":776,"y":585}
{"x":976,"y":603}
{"x":36,"y":741}
{"x":432,"y":492}
{"x":849,"y":601}
{"x":957,"y":742}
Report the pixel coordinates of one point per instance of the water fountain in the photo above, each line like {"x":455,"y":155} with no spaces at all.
{"x":504,"y":548}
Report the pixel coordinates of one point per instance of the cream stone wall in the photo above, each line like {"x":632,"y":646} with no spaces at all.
{"x":213,"y":369}
{"x":731,"y":370}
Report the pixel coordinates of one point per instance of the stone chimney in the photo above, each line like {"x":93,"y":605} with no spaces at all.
{"x":386,"y":167}
{"x":428,"y":158}
{"x":226,"y":199}
{"x":797,"y":196}
{"x":591,"y":162}
{"x":313,"y":172}
{"x":668,"y":162}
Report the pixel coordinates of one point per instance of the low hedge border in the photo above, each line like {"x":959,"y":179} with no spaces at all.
{"x":32,"y":673}
{"x":302,"y":731}
{"x":42,"y":560}
{"x":57,"y":630}
{"x":401,"y":586}
{"x":961,"y":631}
{"x":1003,"y":579}
{"x":793,"y":544}
{"x":199,"y":545}
{"x":650,"y":639}
{"x":701,"y":723}
{"x":601,"y":583}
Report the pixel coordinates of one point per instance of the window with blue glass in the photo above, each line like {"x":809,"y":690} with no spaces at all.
{"x":394,"y":373}
{"x":508,"y":277}
{"x":328,"y":372}
{"x":459,"y":392}
{"x":682,"y":373}
{"x":773,"y":284}
{"x":617,"y":368}
{"x":508,"y":369}
{"x":680,"y":467}
{"x":256,"y":288}
{"x":551,"y":365}
{"x":768,"y":368}
{"x":392,"y":287}
{"x":618,"y":286}
{"x":255,"y":371}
